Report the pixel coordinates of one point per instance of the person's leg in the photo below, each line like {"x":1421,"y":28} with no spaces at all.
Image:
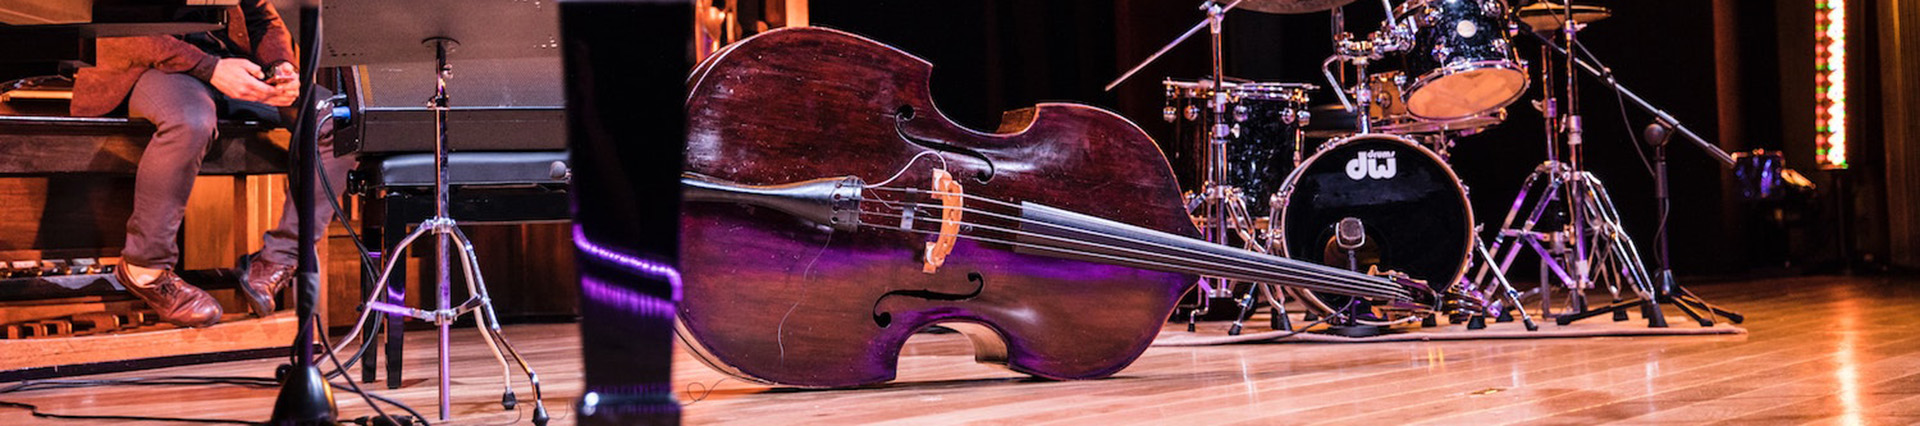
{"x":183,"y":111}
{"x":271,"y":269}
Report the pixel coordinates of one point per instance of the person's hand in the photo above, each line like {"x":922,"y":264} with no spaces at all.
{"x":240,"y":79}
{"x":286,"y":86}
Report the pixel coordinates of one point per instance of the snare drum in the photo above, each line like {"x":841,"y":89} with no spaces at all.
{"x":1464,"y":60}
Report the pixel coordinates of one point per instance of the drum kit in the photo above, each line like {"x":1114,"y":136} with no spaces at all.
{"x":1366,"y":183}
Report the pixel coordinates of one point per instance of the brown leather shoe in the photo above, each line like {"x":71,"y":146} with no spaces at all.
{"x":176,"y":302}
{"x":265,"y":279}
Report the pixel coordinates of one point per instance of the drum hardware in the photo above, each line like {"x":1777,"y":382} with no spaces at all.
{"x":1377,"y":97}
{"x":449,"y":241}
{"x":1598,"y":245}
{"x":1286,"y":7}
{"x":1561,"y":125}
{"x":1218,"y":207}
{"x":1461,"y":57}
{"x":1548,"y":16}
{"x":1411,"y":209}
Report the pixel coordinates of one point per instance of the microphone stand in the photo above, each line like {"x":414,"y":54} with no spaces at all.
{"x":1665,"y":290}
{"x":305,"y":397}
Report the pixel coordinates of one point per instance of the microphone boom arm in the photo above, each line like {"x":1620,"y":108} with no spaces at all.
{"x":1663,"y":117}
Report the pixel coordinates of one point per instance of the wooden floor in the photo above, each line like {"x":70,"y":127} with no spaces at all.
{"x":1820,"y":350}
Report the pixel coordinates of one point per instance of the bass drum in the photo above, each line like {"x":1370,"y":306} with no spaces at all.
{"x":1414,"y":211}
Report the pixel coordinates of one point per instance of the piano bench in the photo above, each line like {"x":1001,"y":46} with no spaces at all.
{"x":46,"y":146}
{"x":484,"y":188}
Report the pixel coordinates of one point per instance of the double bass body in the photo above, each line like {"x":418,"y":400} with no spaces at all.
{"x":779,"y":300}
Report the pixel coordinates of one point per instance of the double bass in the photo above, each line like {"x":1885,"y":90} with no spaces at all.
{"x":831,"y":211}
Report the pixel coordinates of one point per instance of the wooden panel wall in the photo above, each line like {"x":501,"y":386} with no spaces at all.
{"x":528,"y":268}
{"x":1899,"y":37}
{"x":65,"y":216}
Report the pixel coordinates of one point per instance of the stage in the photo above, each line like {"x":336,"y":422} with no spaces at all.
{"x":1819,"y":349}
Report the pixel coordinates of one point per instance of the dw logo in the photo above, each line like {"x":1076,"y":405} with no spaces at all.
{"x":1372,"y":164}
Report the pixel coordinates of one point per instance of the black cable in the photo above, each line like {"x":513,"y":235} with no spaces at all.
{"x":1291,"y":333}
{"x":326,"y":342}
{"x":35,"y":411}
{"x":1620,"y":100}
{"x":256,"y":382}
{"x":366,"y":268}
{"x":366,"y":256}
{"x":706,"y":390}
{"x":1627,"y":122}
{"x":33,"y":385}
{"x":312,"y":64}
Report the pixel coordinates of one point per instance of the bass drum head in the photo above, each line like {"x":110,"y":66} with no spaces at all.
{"x":1412,"y":206}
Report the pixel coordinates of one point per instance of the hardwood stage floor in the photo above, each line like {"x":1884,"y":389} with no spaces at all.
{"x":1822,"y":350}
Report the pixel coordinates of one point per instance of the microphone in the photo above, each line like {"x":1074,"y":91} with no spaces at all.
{"x":1657,"y":134}
{"x":1350,"y":234}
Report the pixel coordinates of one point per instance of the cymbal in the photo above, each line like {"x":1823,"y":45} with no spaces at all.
{"x":1287,"y":6}
{"x":1546,"y":16}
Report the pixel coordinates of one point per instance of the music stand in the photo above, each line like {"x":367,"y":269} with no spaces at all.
{"x":386,"y":32}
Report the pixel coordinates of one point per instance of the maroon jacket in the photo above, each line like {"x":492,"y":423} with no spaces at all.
{"x":254,"y":26}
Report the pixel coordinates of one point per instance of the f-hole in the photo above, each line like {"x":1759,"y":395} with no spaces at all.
{"x":884,"y":319}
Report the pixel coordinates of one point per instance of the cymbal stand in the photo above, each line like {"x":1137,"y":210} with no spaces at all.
{"x":1570,"y":258}
{"x":1664,"y":290}
{"x":447,"y":232}
{"x":1599,"y":246}
{"x":1220,"y":209}
{"x":1503,"y":296}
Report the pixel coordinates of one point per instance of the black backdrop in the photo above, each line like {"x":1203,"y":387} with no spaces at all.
{"x":996,"y":55}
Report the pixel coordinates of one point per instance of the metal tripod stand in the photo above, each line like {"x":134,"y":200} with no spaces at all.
{"x":1219,"y":208}
{"x":1594,"y":248}
{"x":447,"y":233}
{"x":1593,"y":245}
{"x":1590,"y":247}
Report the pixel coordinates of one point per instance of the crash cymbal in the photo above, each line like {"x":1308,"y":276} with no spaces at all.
{"x":1287,"y":6}
{"x":1545,"y":16}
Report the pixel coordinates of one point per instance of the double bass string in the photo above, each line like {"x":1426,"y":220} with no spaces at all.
{"x":1317,"y":271}
{"x":1335,"y":287}
{"x":1308,"y":275}
{"x":1243,"y":266}
{"x":1323,"y":271}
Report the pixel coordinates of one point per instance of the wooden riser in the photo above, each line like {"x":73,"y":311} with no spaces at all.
{"x":237,"y":334}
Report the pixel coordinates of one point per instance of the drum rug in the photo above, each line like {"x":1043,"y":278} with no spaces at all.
{"x":1215,"y":333}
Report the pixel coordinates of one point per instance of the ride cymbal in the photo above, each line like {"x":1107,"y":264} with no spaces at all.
{"x":1287,"y":6}
{"x":1546,"y":16}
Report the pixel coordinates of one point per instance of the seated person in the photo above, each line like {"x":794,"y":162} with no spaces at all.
{"x":183,"y":84}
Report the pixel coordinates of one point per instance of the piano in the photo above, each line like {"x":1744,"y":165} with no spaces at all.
{"x":65,"y":183}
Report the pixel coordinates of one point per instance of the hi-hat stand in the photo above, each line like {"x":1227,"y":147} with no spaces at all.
{"x":446,"y":233}
{"x":494,"y":32}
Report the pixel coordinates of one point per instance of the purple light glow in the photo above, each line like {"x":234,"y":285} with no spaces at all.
{"x":626,"y":300}
{"x":636,"y":264}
